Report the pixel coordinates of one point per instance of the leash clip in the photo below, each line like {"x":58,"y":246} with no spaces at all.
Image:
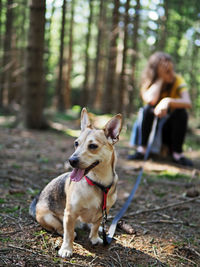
{"x":104,"y":216}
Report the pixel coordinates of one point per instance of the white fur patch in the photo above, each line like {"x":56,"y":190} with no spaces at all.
{"x":96,"y":240}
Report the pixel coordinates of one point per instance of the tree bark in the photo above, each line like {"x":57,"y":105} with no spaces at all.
{"x":6,"y":62}
{"x":70,"y":59}
{"x":123,"y":75}
{"x":98,"y":79}
{"x":107,"y":105}
{"x":60,"y":89}
{"x":163,"y":28}
{"x":131,"y":88}
{"x":34,"y":70}
{"x":85,"y":93}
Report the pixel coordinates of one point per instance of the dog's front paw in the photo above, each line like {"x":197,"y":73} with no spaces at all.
{"x":96,"y":240}
{"x":65,"y":252}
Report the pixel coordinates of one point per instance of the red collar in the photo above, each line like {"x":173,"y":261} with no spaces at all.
{"x":105,"y":190}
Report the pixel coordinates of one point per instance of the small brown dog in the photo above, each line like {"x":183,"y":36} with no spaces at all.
{"x":70,"y":197}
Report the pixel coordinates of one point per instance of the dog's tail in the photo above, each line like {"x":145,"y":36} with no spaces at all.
{"x":32,"y":207}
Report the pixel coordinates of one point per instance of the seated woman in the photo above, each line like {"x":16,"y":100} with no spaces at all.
{"x":164,"y":92}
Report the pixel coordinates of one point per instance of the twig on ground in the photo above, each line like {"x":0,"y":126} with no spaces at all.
{"x":116,"y":260}
{"x":39,"y":254}
{"x":2,"y":250}
{"x":170,"y":222}
{"x":162,"y":208}
{"x":28,"y":250}
{"x":10,"y":233}
{"x":196,"y":252}
{"x":154,"y":251}
{"x":91,"y":262}
{"x":183,"y":258}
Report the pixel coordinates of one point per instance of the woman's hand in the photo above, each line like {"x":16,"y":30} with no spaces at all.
{"x":162,"y":107}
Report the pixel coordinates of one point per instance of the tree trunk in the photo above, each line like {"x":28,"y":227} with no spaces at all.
{"x":70,"y":59}
{"x":60,"y":87}
{"x":123,"y":74}
{"x":34,"y":71}
{"x":163,"y":28}
{"x":85,"y":93}
{"x":1,"y":6}
{"x":98,"y":79}
{"x":48,"y":51}
{"x":131,"y":88}
{"x":107,"y":105}
{"x":22,"y":48}
{"x":6,"y":62}
{"x":193,"y":78}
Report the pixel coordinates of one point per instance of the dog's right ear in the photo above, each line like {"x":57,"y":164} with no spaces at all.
{"x":85,"y":121}
{"x":113,"y":128}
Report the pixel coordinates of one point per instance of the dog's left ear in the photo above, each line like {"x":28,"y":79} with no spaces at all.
{"x":113,"y":128}
{"x":85,"y":121}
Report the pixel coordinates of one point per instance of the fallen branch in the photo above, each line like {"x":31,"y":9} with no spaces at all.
{"x":186,"y":259}
{"x":43,"y":255}
{"x":28,"y":250}
{"x":170,"y":222}
{"x":162,"y":208}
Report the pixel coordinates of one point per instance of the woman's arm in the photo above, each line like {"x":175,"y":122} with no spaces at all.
{"x":183,"y":102}
{"x":152,"y":94}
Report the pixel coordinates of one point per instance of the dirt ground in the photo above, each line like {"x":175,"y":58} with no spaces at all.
{"x":164,"y":214}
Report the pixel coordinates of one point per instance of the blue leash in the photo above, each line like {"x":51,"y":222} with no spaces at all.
{"x":120,"y":214}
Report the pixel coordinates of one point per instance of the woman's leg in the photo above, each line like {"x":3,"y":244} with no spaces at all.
{"x":146,"y":125}
{"x":144,"y":128}
{"x":174,"y":130}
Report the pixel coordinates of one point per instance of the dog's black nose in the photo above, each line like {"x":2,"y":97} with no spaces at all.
{"x":73,"y":160}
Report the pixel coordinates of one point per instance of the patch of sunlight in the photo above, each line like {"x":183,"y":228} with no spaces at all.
{"x":66,"y":130}
{"x":151,"y":40}
{"x":171,"y":175}
{"x":6,"y":119}
{"x":153,"y":15}
{"x":100,"y":121}
{"x":73,"y":133}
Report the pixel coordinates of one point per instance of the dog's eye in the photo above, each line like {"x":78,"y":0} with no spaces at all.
{"x":76,"y":143}
{"x":92,"y":146}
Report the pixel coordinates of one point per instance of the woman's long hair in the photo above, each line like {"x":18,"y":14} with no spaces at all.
{"x":150,"y":74}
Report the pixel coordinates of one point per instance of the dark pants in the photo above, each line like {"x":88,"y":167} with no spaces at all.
{"x":174,"y":129}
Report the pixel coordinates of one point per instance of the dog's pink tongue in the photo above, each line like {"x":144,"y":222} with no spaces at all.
{"x":77,"y":174}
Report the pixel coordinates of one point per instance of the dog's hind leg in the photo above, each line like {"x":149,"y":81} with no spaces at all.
{"x":94,"y":233}
{"x":50,"y":222}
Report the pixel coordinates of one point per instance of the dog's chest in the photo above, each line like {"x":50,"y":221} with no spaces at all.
{"x":86,"y":202}
{"x":91,"y":208}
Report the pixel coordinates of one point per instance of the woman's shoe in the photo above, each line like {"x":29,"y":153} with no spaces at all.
{"x":183,"y":161}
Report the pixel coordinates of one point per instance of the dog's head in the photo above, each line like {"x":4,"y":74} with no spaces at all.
{"x":94,"y":147}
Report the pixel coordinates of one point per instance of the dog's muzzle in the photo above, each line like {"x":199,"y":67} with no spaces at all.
{"x":78,"y":173}
{"x":74,"y":161}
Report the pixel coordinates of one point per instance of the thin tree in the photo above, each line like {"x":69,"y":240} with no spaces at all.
{"x":1,"y":7}
{"x":131,"y":88}
{"x":163,"y":27}
{"x":98,"y":83}
{"x":123,"y":76}
{"x":60,"y":88}
{"x":70,"y":59}
{"x":22,"y":39}
{"x":34,"y":90}
{"x":48,"y":46}
{"x":6,"y":61}
{"x":107,"y":104}
{"x":85,"y":92}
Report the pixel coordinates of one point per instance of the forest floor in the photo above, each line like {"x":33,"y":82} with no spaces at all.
{"x":164,"y":214}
